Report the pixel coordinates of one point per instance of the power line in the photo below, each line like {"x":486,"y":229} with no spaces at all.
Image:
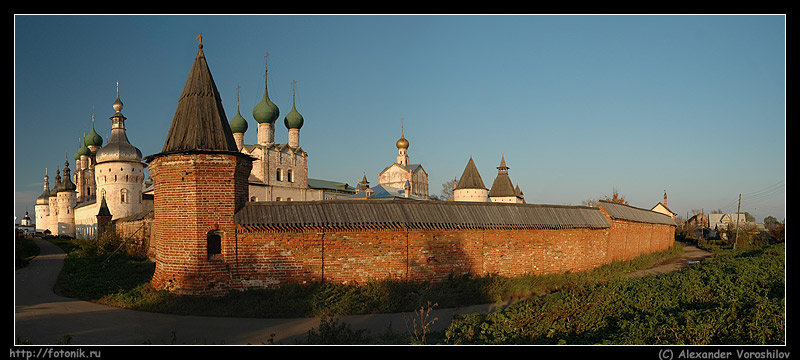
{"x":768,"y":188}
{"x":765,"y":195}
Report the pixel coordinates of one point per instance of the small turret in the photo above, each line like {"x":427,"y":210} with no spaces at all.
{"x":238,"y":125}
{"x":293,"y":121}
{"x":402,"y":146}
{"x":265,"y":113}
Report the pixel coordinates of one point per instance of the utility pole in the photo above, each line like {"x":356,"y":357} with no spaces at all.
{"x":738,"y":208}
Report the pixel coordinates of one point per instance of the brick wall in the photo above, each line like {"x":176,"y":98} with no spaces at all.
{"x":268,"y":258}
{"x":196,"y":194}
{"x":628,"y":239}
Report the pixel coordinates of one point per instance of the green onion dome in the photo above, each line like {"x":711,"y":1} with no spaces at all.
{"x":238,"y":123}
{"x":266,"y":111}
{"x":93,"y":139}
{"x":82,"y":151}
{"x":293,"y":119}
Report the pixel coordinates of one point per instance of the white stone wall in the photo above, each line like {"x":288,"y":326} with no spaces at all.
{"x":419,"y":184}
{"x":472,"y":195}
{"x":52,"y":218}
{"x":66,"y":215}
{"x":42,"y":212}
{"x":121,"y":183}
{"x":396,"y":176}
{"x":506,"y":199}
{"x":86,"y":221}
{"x":283,"y":173}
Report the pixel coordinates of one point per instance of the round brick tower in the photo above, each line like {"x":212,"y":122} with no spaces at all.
{"x":200,"y":181}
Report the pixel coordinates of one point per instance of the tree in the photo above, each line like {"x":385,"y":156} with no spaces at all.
{"x":770,"y":221}
{"x":616,"y":197}
{"x":447,"y":190}
{"x":774,"y":228}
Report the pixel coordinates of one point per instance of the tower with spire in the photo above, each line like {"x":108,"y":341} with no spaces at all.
{"x":115,"y":169}
{"x":293,"y":121}
{"x":84,"y":165}
{"x":67,"y":198}
{"x":119,"y":169}
{"x":402,"y":146}
{"x":238,"y":125}
{"x":280,"y":170}
{"x":397,"y":174}
{"x":42,"y":208}
{"x":265,"y":113}
{"x":201,"y":180}
{"x":502,"y":188}
{"x":93,"y":141}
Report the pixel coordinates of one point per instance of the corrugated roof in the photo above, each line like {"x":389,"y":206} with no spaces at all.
{"x":327,"y":184}
{"x":630,"y":213}
{"x":278,"y":215}
{"x":384,"y":192}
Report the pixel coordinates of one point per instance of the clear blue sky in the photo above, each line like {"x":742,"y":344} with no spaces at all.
{"x":580,"y":105}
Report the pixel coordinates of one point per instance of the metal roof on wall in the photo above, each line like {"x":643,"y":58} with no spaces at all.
{"x":416,"y":213}
{"x":630,"y":213}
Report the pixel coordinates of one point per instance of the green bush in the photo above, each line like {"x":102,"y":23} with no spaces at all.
{"x":25,"y":250}
{"x":735,"y":297}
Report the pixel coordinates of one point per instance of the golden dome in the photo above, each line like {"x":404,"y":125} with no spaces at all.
{"x":402,"y":143}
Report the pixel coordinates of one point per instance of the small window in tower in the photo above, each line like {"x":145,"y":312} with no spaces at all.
{"x":122,"y":195}
{"x":213,"y":243}
{"x":278,"y":175}
{"x":290,"y":175}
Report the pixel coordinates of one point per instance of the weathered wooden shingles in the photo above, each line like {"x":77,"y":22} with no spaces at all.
{"x":200,"y":122}
{"x":424,"y":214}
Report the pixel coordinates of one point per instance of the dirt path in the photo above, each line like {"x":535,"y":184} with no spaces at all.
{"x":690,"y":255}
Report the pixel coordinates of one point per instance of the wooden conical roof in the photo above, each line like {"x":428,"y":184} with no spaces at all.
{"x":502,"y":186}
{"x":470,"y":178}
{"x":199,"y":122}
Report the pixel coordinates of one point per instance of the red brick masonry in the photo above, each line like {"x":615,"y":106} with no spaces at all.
{"x":258,"y":258}
{"x":198,"y":195}
{"x":268,"y":258}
